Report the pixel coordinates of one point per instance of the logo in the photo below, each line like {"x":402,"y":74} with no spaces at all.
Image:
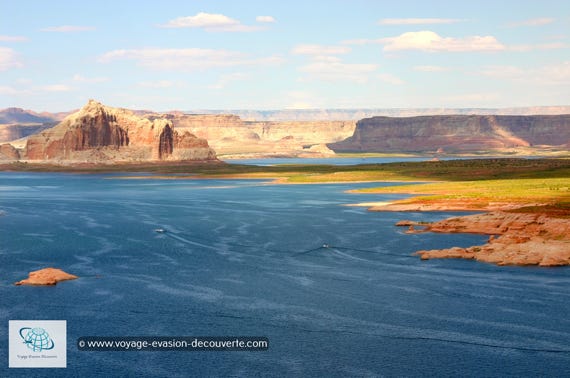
{"x":36,"y":339}
{"x":37,"y":343}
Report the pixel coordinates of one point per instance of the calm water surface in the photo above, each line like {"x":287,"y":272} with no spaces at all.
{"x":242,"y":258}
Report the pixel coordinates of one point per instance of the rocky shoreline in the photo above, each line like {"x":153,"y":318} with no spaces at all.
{"x":516,"y":238}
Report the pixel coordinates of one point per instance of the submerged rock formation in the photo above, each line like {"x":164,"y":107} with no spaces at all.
{"x":456,"y":133}
{"x":98,"y":133}
{"x":47,"y":276}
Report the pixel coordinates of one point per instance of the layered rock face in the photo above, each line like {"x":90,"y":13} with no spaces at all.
{"x":100,"y":133}
{"x":8,"y":152}
{"x":230,"y":134}
{"x":456,"y":133}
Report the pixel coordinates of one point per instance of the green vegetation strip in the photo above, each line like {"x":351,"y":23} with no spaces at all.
{"x":517,"y":190}
{"x":450,"y":170}
{"x":542,"y":184}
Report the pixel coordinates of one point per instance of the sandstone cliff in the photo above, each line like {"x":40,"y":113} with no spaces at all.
{"x":8,"y":152}
{"x":98,"y":133}
{"x":456,"y":133}
{"x":229,"y":134}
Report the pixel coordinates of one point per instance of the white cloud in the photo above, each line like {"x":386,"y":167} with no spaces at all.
{"x":13,"y":38}
{"x":190,"y":59}
{"x":10,"y":91}
{"x":432,"y":42}
{"x":390,"y":79}
{"x":302,"y":100}
{"x":554,"y":74}
{"x":326,"y":58}
{"x":430,"y":68}
{"x":532,"y":22}
{"x":362,"y":41}
{"x":471,"y":99}
{"x":83,"y":79}
{"x":224,"y":80}
{"x":67,"y":29}
{"x":55,"y":88}
{"x":33,"y":90}
{"x":210,"y":22}
{"x":335,"y":70}
{"x":156,"y":84}
{"x":8,"y":59}
{"x":418,"y":21}
{"x":319,"y":50}
{"x":542,"y":46}
{"x":267,"y":19}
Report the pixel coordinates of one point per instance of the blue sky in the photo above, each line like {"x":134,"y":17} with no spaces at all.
{"x":164,"y":55}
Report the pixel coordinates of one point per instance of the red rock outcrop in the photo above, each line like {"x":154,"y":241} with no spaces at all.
{"x":456,"y":133}
{"x":8,"y":152}
{"x":516,"y":239}
{"x":189,"y":147}
{"x":47,"y":276}
{"x":99,"y":133}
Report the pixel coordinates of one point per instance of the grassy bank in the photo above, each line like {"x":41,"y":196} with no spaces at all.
{"x":530,"y":192}
{"x":477,"y":183}
{"x":450,"y":170}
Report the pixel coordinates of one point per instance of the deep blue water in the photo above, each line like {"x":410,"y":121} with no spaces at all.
{"x":234,"y":262}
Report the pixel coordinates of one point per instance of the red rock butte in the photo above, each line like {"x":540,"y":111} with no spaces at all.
{"x":98,"y":133}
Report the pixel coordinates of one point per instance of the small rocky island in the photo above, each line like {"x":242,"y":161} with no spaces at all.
{"x":46,"y":277}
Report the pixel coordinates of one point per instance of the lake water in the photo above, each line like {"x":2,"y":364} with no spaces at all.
{"x":242,"y":258}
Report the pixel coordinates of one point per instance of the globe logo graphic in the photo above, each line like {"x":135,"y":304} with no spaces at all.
{"x":36,"y":339}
